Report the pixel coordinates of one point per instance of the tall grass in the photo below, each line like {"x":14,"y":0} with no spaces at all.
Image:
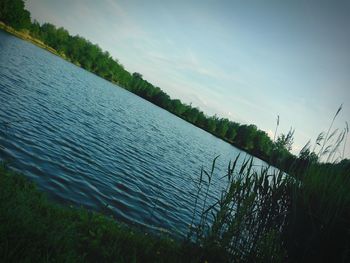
{"x":319,"y":219}
{"x":318,"y":223}
{"x":268,"y":216}
{"x":261,"y":215}
{"x":246,"y":222}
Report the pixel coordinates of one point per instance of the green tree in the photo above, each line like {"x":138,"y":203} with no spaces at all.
{"x":262,"y":144}
{"x":12,"y":12}
{"x":210,"y":124}
{"x":232,"y":131}
{"x":222,"y":127}
{"x":177,"y":107}
{"x":245,"y":136}
{"x":201,"y":120}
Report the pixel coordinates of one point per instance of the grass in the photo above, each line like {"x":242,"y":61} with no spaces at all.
{"x":32,"y":229}
{"x":262,"y":215}
{"x":245,"y":224}
{"x":318,"y":223}
{"x":268,"y":216}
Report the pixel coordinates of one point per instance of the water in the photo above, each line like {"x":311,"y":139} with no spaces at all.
{"x":87,"y":142}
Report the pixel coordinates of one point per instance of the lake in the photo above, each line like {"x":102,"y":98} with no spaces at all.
{"x":87,"y":142}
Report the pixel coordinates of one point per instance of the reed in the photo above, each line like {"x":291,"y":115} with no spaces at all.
{"x":246,"y":221}
{"x":265,"y":215}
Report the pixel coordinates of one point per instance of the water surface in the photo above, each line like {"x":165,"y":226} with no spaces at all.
{"x":87,"y":142}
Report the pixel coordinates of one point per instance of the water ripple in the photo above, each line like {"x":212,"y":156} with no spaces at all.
{"x":87,"y":142}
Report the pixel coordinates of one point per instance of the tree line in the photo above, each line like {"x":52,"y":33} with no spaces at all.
{"x":91,"y":57}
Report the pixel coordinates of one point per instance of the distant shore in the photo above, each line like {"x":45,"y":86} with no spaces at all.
{"x":257,"y":151}
{"x":24,"y":34}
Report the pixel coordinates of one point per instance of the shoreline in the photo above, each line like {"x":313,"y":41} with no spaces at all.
{"x":25,"y":35}
{"x":75,"y":234}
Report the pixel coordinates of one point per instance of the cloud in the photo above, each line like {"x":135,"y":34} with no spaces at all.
{"x":219,"y":57}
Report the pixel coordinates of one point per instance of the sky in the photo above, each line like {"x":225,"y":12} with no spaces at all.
{"x":248,"y":61}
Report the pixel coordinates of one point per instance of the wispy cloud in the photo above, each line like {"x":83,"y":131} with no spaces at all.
{"x":248,"y":63}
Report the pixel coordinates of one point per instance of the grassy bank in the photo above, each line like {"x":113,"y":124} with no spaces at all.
{"x":32,"y":229}
{"x":25,"y":35}
{"x":267,"y":216}
{"x":260,"y":217}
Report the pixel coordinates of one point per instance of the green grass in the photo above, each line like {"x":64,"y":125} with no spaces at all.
{"x":318,"y":227}
{"x":268,"y":216}
{"x":261,"y":216}
{"x":246,"y":222}
{"x":32,"y":229}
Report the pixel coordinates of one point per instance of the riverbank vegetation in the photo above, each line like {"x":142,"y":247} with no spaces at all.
{"x":266,"y":215}
{"x":261,"y":216}
{"x":91,"y":57}
{"x":33,"y":229}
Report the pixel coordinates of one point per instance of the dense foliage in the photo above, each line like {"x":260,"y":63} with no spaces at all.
{"x":92,"y":58}
{"x":12,"y":12}
{"x":263,"y":215}
{"x":266,"y":215}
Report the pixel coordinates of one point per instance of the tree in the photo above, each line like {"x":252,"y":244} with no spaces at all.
{"x":191,"y":114}
{"x":262,"y":144}
{"x":232,"y":131}
{"x":177,"y":107}
{"x":245,"y":136}
{"x":201,"y":119}
{"x":222,"y":127}
{"x":12,"y":12}
{"x":210,"y":124}
{"x":162,"y":99}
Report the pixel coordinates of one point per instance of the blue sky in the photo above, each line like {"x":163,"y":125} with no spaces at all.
{"x":246,"y":60}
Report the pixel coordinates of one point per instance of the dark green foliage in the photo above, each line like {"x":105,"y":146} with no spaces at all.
{"x":245,"y":136}
{"x":34,"y":230}
{"x":245,"y":223}
{"x":318,"y":227}
{"x":268,"y":216}
{"x":222,"y":127}
{"x":12,"y":12}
